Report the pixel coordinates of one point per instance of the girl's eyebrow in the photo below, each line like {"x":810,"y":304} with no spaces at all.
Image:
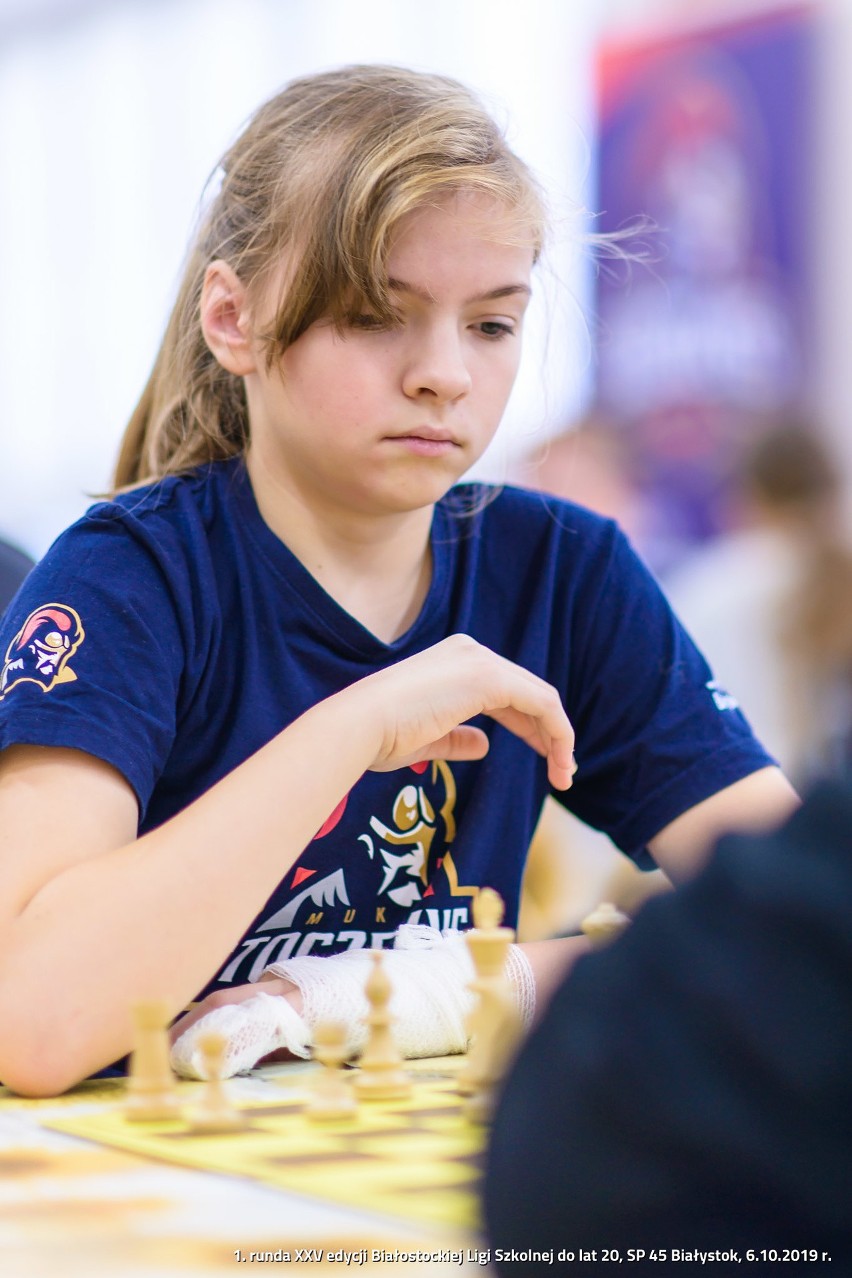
{"x":492,"y":295}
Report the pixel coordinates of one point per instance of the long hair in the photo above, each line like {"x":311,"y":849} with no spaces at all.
{"x":323,"y":173}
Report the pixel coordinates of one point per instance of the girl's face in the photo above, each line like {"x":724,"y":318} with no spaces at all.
{"x":378,"y":420}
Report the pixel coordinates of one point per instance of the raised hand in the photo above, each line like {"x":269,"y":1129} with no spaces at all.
{"x":424,"y":702}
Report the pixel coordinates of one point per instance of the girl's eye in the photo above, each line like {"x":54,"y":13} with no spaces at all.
{"x":366,"y":322}
{"x":494,"y":329}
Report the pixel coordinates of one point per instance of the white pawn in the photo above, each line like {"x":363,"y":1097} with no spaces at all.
{"x":604,"y":924}
{"x":495,"y":1025}
{"x":215,"y":1113}
{"x":151,"y":1086}
{"x":381,"y":1075}
{"x":332,"y":1095}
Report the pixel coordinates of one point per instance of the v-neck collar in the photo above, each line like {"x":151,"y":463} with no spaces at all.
{"x":339,"y":624}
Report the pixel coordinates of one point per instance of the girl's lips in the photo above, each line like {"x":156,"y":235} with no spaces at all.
{"x":426,"y":445}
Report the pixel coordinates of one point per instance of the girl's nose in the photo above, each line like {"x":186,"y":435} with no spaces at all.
{"x":436,"y":367}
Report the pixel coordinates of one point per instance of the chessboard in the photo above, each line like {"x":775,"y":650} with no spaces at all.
{"x":419,"y":1158}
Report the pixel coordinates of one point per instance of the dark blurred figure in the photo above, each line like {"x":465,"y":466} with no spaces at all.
{"x":770,"y":603}
{"x":691,"y":1086}
{"x":14,"y":566}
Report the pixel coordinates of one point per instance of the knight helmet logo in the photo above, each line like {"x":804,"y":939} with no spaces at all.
{"x":40,"y":651}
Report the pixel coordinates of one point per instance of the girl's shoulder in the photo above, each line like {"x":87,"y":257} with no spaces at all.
{"x":175,"y":500}
{"x":169,"y":535}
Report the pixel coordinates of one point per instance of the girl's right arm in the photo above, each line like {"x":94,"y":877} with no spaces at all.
{"x":94,"y":919}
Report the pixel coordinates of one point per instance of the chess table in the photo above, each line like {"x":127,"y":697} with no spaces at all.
{"x":84,"y":1193}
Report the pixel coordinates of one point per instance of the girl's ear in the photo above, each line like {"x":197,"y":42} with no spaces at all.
{"x":225,"y":319}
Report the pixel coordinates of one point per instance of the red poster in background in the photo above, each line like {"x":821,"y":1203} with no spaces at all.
{"x":709,"y":134}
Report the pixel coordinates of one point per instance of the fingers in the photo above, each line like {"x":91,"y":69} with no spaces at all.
{"x":427,"y":700}
{"x":462,"y":743}
{"x":252,"y":1029}
{"x":535,"y":713}
{"x":220,"y":998}
{"x":556,"y":748}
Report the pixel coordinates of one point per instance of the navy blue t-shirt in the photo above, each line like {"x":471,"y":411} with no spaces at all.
{"x":172,"y":634}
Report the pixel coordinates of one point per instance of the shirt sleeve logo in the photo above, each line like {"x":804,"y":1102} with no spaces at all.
{"x":42,"y":648}
{"x":722,"y":699}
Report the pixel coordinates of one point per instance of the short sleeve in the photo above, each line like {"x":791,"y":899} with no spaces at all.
{"x":655,"y":733}
{"x":93,"y":652}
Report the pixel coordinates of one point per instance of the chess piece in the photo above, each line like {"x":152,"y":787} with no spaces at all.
{"x":495,"y":1025}
{"x":151,"y":1086}
{"x":214,"y":1113}
{"x":332,"y":1096}
{"x":604,"y":924}
{"x":381,"y":1075}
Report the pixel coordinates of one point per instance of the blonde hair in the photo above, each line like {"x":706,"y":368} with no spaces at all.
{"x":323,"y":171}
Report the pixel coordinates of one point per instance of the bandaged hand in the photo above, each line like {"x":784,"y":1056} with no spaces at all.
{"x":430,"y":975}
{"x":252,"y":1029}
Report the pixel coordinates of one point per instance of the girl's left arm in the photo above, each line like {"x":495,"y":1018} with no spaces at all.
{"x":761,"y":801}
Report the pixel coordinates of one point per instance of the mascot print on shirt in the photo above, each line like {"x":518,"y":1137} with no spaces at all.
{"x":42,"y":648}
{"x":406,"y":853}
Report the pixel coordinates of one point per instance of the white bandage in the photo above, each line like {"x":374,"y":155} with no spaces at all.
{"x":522,"y":981}
{"x":252,"y":1029}
{"x":430,"y":976}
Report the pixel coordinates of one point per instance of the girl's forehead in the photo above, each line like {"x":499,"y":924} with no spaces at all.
{"x":462,"y":242}
{"x":477,"y":215}
{"x":472,"y":237}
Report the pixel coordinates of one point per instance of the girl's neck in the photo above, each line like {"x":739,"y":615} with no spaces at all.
{"x":377,"y":567}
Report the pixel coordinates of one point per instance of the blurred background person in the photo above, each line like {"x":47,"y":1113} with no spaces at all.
{"x":689,"y":1086}
{"x":770,"y":602}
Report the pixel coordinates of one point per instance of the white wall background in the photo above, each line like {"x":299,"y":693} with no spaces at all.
{"x":113,"y":114}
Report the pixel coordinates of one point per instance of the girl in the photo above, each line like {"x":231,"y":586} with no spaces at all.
{"x":287,"y":692}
